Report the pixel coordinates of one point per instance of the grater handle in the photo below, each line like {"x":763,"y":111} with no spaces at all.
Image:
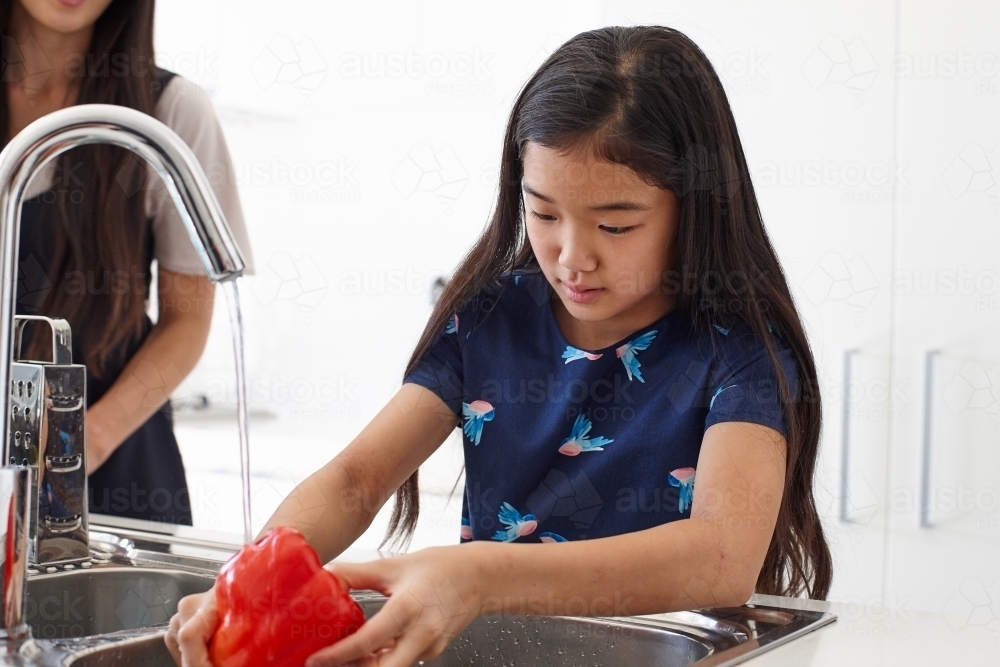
{"x":62,"y":338}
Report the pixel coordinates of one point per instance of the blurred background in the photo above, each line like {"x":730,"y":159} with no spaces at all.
{"x":366,"y":142}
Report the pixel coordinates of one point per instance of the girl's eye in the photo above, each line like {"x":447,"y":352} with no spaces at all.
{"x":617,"y":230}
{"x":541,"y":216}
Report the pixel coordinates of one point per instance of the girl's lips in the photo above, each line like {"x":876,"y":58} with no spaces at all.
{"x":71,"y":3}
{"x":581,"y":295}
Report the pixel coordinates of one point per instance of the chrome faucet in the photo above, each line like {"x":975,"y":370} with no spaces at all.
{"x":65,"y":536}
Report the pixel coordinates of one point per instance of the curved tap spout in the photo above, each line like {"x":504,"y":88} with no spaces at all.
{"x":158,"y":145}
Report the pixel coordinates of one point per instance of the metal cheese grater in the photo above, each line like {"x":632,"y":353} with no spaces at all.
{"x":48,"y":429}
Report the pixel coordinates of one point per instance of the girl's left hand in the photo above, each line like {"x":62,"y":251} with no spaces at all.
{"x":433,"y":595}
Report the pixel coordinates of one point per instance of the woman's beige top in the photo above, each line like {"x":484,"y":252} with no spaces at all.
{"x":185,"y":108}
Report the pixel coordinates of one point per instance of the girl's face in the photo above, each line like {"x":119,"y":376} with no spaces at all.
{"x":65,"y":16}
{"x":602,"y":236}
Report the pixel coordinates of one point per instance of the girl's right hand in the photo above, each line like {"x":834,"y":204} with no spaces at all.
{"x":191,"y":628}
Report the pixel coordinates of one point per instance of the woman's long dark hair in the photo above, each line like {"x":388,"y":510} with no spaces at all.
{"x":99,"y":216}
{"x":648,"y":98}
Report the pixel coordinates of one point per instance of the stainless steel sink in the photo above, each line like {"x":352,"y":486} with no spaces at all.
{"x":99,"y":601}
{"x":717,"y":637}
{"x":115,"y":614}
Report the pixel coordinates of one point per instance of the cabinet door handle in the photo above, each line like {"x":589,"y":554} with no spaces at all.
{"x":845,"y":438}
{"x":925,"y":457}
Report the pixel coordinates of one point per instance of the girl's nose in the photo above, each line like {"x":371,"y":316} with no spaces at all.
{"x":576,"y":254}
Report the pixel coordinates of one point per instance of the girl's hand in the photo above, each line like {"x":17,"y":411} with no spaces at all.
{"x":433,"y":595}
{"x":191,"y":628}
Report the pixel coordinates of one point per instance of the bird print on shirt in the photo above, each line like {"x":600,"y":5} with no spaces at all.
{"x":517,"y":525}
{"x":476,"y":413}
{"x":552,"y":537}
{"x":627,"y":353}
{"x":716,"y":395}
{"x":579,"y":442}
{"x":683,"y":478}
{"x":572,"y":354}
{"x":466,"y":533}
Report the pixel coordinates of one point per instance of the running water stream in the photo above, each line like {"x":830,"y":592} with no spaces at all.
{"x":232,"y":290}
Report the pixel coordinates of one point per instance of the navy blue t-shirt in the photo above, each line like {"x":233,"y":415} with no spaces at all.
{"x":567,"y":444}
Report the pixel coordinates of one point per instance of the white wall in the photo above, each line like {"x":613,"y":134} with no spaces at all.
{"x":361,"y":187}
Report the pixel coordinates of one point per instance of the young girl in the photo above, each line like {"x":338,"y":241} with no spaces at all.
{"x":90,"y":232}
{"x":638,"y":400}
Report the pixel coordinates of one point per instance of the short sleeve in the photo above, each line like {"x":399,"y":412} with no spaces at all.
{"x":186,"y":109}
{"x":440,"y":369}
{"x":750,"y":392}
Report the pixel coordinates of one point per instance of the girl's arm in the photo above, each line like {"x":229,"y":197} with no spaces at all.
{"x":336,"y":504}
{"x":165,"y":358}
{"x":709,"y":560}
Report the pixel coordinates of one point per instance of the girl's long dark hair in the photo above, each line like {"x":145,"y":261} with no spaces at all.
{"x":99,"y":216}
{"x":648,"y":98}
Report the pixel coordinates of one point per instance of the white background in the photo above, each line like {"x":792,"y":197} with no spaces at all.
{"x":363,"y":180}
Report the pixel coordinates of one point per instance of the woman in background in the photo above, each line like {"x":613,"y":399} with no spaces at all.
{"x":92,"y":227}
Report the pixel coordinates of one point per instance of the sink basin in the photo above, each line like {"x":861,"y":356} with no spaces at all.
{"x":719,"y":637}
{"x":571,"y":641}
{"x":115,"y":614}
{"x":102,"y":600}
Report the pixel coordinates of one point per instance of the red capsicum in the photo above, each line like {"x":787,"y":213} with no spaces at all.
{"x":277,"y":605}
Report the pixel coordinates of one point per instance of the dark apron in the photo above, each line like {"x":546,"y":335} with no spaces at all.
{"x":144,"y":477}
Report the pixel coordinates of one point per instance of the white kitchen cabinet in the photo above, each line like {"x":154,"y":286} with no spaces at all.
{"x":944,"y":524}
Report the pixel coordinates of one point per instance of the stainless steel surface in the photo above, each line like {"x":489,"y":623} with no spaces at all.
{"x":146,"y":650}
{"x":162,"y":149}
{"x":62,"y":337}
{"x":703,"y":639}
{"x":49,"y":424}
{"x":107,"y":599}
{"x":925,"y":457}
{"x":114,"y":613}
{"x":15,"y":501}
{"x":62,"y":526}
{"x":845,"y":452}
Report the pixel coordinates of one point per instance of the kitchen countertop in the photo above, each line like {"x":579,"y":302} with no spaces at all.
{"x":876,"y":635}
